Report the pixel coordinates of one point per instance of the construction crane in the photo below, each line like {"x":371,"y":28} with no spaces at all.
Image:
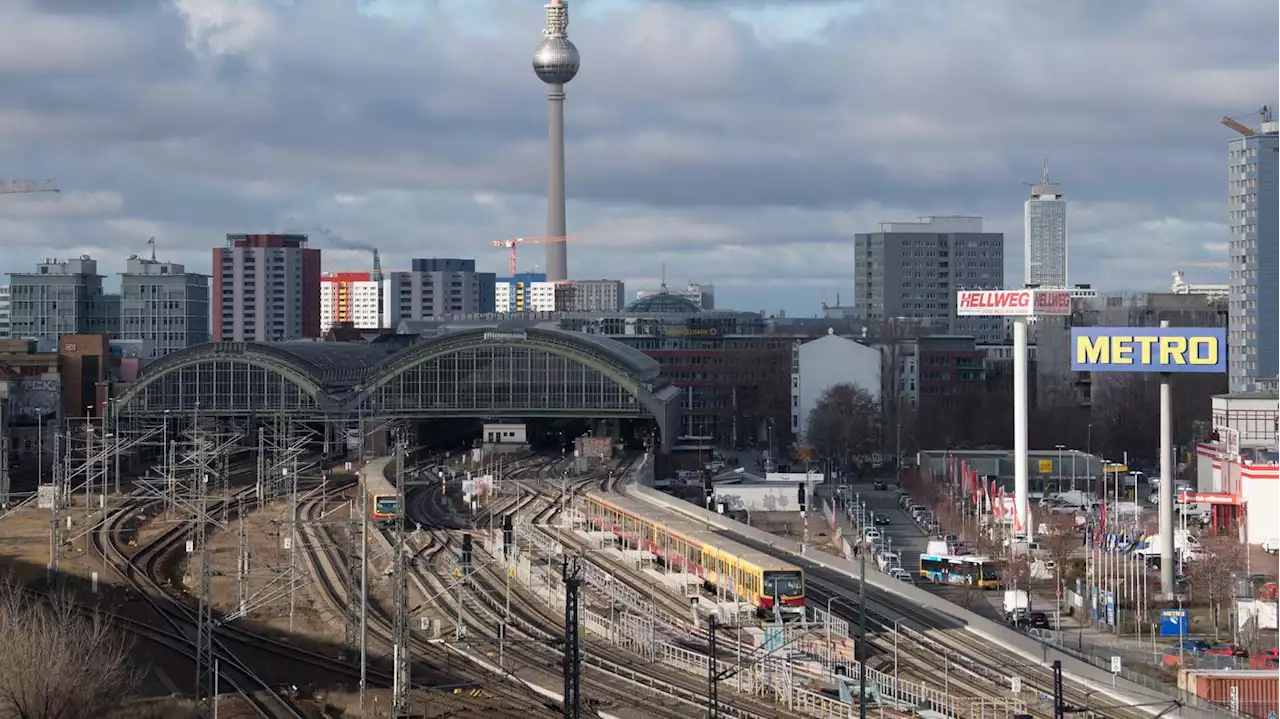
{"x":515,"y":242}
{"x":1264,"y":113}
{"x":26,"y":187}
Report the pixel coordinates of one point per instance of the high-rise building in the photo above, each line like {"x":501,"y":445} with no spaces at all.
{"x":435,"y":287}
{"x":1253,"y":268}
{"x":516,"y":294}
{"x":1045,"y":235}
{"x":704,"y":296}
{"x":61,"y":298}
{"x":164,"y":305}
{"x":348,"y":297}
{"x":591,"y":296}
{"x":266,"y":288}
{"x":910,"y":271}
{"x":4,"y":312}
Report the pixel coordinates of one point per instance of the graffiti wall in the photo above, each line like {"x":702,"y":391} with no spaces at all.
{"x":32,"y":399}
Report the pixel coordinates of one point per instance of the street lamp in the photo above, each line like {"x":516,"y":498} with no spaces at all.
{"x":1058,"y":474}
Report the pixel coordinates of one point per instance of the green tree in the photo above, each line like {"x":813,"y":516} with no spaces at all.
{"x":846,"y":423}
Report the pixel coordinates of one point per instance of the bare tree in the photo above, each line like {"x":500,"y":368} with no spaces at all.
{"x":1212,"y":578}
{"x":59,"y":663}
{"x":844,"y":424}
{"x":1060,"y":538}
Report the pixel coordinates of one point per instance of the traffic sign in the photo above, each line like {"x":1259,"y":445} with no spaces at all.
{"x":1015,"y":684}
{"x":1115,"y":664}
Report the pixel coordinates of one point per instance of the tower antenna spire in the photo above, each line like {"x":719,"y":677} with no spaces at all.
{"x":1045,"y":179}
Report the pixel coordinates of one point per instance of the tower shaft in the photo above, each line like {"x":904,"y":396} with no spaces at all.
{"x":557,"y":225}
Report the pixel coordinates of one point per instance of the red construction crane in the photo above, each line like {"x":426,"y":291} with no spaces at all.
{"x":515,"y":242}
{"x":25,"y":187}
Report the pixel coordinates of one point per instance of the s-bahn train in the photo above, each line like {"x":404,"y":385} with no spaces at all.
{"x":383,"y":501}
{"x":751,"y":576}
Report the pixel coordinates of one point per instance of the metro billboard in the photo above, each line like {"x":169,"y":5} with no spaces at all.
{"x":1013,"y":303}
{"x":1147,"y":349}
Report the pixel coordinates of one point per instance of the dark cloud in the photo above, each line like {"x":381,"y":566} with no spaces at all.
{"x":706,"y":127}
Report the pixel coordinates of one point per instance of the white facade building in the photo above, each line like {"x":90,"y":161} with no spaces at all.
{"x":1240,"y":469}
{"x":343,"y":299}
{"x":819,"y":365}
{"x":524,"y":297}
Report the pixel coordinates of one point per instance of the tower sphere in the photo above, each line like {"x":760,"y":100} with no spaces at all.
{"x":556,"y":61}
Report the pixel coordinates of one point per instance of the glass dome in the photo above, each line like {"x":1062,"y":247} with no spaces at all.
{"x":663,"y":303}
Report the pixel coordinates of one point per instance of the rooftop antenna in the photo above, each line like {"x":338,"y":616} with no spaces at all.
{"x":664,"y":276}
{"x":151,"y":242}
{"x":1045,"y":177}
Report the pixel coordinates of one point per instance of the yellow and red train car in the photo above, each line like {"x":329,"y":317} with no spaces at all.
{"x":750,"y":576}
{"x":380,"y":494}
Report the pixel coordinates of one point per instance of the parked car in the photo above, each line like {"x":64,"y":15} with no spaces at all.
{"x":1265,"y":659}
{"x":1271,"y":546}
{"x":1228,"y":650}
{"x":901,"y":574}
{"x":1191,"y":646}
{"x":1038,"y":620}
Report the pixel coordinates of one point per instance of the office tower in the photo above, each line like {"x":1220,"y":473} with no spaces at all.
{"x":556,"y":62}
{"x":1252,"y":263}
{"x":266,"y":288}
{"x":910,"y":272}
{"x":61,"y":298}
{"x":4,"y":312}
{"x":438,"y":286}
{"x":348,"y":298}
{"x":164,"y":305}
{"x":590,"y":296}
{"x":1045,"y":235}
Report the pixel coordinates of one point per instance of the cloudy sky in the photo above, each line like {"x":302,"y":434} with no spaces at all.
{"x":741,"y":142}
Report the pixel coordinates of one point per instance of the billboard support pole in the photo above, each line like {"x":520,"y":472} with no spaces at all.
{"x":1167,"y":469}
{"x":1020,"y":425}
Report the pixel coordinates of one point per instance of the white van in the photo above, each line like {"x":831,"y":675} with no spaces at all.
{"x":1184,"y":543}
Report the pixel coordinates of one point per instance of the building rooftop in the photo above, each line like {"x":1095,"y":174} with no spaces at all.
{"x":663,"y":303}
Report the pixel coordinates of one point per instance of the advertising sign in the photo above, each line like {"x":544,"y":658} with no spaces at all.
{"x":1013,"y":303}
{"x":1173,"y":622}
{"x":1046,"y":466}
{"x":1141,"y":349}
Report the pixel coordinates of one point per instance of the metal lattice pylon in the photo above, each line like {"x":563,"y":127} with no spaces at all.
{"x":400,"y":704}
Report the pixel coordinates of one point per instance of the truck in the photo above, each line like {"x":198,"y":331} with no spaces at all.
{"x":1184,"y":543}
{"x":1015,"y":601}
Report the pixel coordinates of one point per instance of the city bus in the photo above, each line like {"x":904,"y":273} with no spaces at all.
{"x":981,"y":572}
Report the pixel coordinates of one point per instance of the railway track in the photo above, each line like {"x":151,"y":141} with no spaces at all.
{"x":683,"y":695}
{"x":280,"y":666}
{"x":451,"y":686}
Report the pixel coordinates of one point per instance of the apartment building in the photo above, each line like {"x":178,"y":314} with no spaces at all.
{"x":266,"y":288}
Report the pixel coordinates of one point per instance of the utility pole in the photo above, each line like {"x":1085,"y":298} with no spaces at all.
{"x":862,"y":635}
{"x":400,"y":601}
{"x":364,"y":590}
{"x":242,"y":556}
{"x":204,"y":624}
{"x":55,"y":519}
{"x":293,"y":538}
{"x":713,"y":684}
{"x":572,"y":641}
{"x":1059,"y":708}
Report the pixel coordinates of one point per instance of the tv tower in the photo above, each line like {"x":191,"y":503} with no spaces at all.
{"x":556,"y":62}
